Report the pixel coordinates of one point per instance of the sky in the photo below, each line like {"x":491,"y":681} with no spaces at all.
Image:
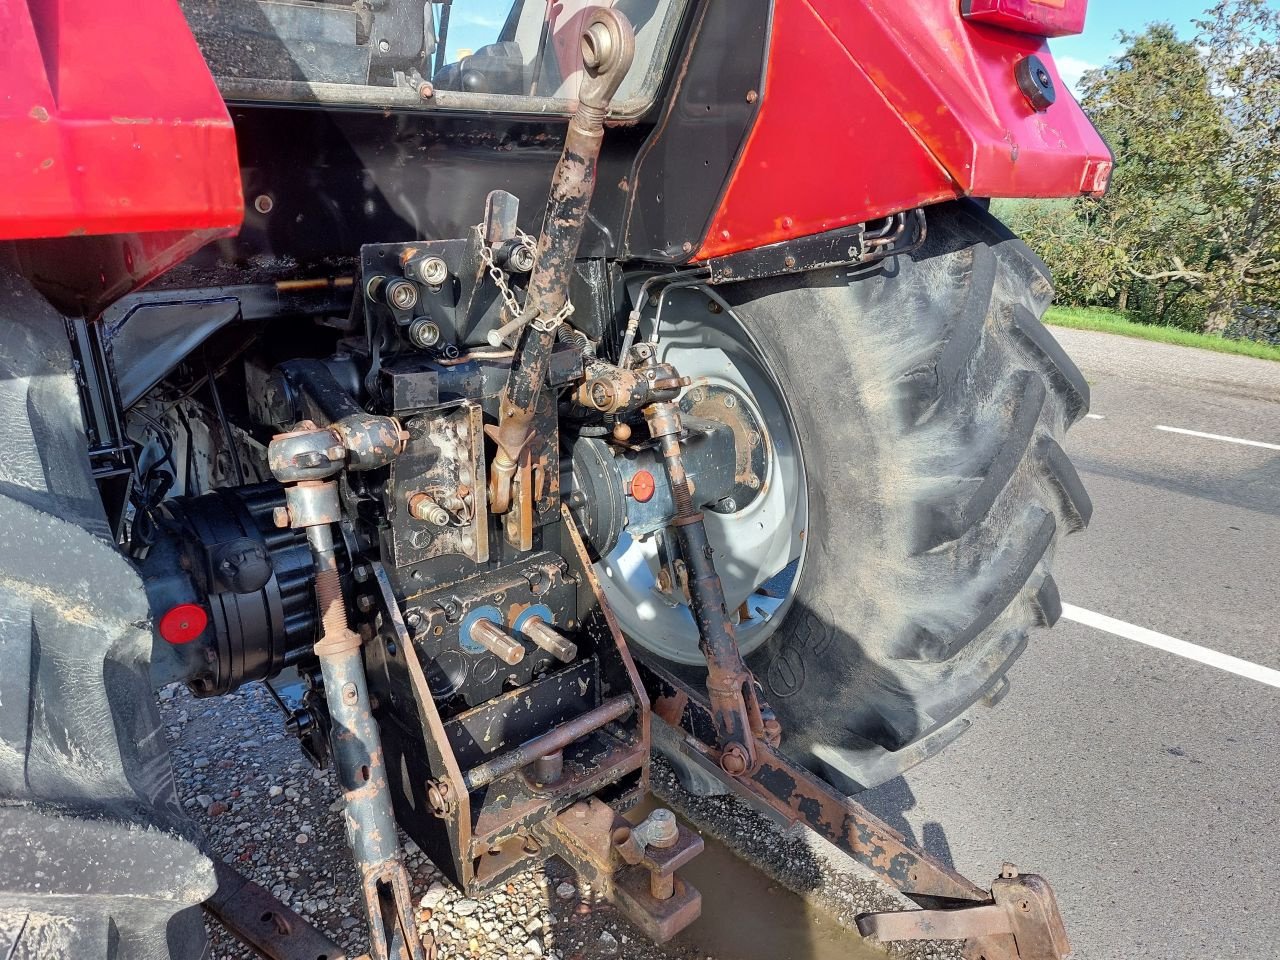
{"x":1106,"y":18}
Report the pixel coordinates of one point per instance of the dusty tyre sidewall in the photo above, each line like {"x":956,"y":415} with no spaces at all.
{"x":850,"y":353}
{"x":98,"y":858}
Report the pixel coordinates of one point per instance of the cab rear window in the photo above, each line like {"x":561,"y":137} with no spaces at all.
{"x":493,"y":55}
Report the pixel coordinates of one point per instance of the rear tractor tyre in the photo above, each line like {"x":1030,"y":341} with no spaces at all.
{"x":97,"y":859}
{"x":929,"y":403}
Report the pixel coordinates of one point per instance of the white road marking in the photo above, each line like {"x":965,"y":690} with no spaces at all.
{"x":1182,"y":648}
{"x":1095,"y":416}
{"x":1217,"y":436}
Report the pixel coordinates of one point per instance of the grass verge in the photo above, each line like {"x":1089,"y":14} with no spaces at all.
{"x":1108,"y":321}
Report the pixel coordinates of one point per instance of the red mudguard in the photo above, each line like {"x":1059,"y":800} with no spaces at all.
{"x":875,"y":106}
{"x":110,"y":124}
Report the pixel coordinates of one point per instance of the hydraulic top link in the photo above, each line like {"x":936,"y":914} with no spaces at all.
{"x":608,"y":46}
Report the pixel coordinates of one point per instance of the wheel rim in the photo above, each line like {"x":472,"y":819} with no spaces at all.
{"x":759,"y":547}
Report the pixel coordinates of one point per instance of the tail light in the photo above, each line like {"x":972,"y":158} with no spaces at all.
{"x":1044,"y":18}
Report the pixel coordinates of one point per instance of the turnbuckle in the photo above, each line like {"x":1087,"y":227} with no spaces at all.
{"x":741,"y":716}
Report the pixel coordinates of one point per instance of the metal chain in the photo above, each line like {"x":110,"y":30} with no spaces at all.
{"x":511,"y":305}
{"x":499,"y":276}
{"x":549,"y":324}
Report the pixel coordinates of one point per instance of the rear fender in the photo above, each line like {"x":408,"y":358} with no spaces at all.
{"x":119,"y":157}
{"x":875,"y":106}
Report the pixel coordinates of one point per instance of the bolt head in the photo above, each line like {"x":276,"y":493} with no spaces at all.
{"x":280,"y":516}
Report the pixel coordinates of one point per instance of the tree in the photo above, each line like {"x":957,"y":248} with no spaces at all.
{"x":1191,"y":224}
{"x":1241,"y":42}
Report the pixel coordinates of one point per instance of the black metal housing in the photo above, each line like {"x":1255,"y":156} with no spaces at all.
{"x":203,"y":553}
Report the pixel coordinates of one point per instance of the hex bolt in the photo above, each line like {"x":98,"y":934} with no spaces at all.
{"x":497,"y":641}
{"x":549,"y":639}
{"x":364,"y":603}
{"x":280,"y":517}
{"x":422,"y":507}
{"x":361,"y":573}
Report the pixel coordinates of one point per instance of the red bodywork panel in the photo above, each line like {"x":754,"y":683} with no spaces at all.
{"x":110,"y":124}
{"x":877,"y":106}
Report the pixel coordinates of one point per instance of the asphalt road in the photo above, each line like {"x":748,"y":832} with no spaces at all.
{"x":1145,"y":785}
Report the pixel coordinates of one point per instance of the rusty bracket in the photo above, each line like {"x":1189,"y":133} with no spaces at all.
{"x":1021,"y":923}
{"x":263,"y":923}
{"x":1018,"y":919}
{"x":635,"y":867}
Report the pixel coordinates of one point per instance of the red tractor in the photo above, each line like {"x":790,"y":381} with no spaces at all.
{"x":540,"y":384}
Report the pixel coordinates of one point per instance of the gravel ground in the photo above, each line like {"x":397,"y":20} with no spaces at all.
{"x":266,"y":811}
